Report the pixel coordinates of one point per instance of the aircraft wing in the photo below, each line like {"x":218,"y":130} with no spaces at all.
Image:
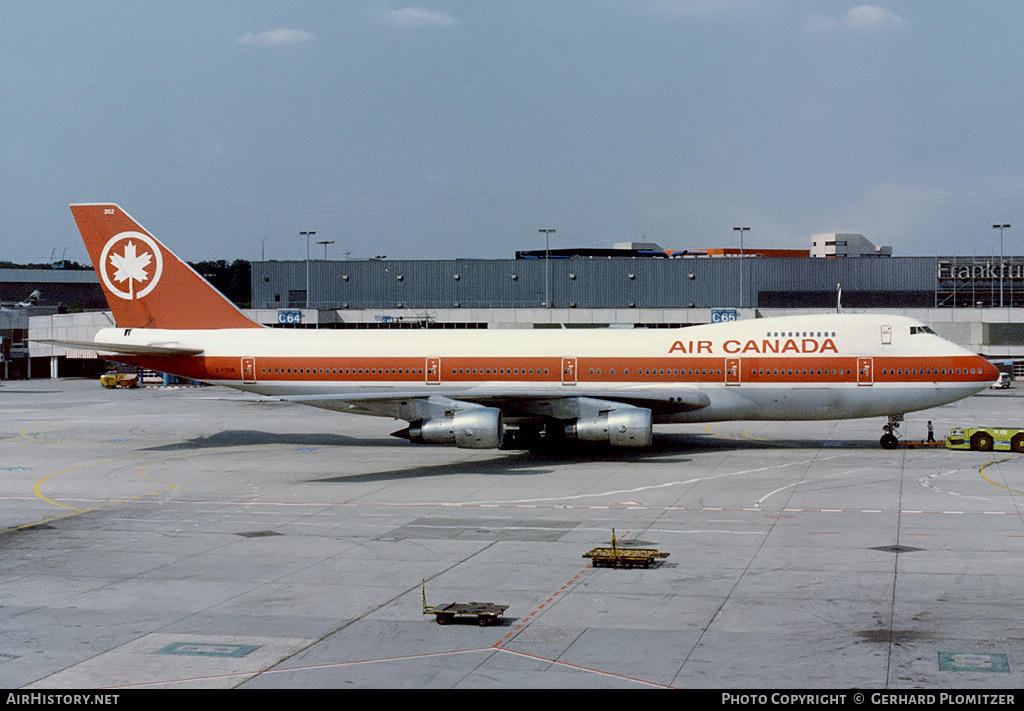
{"x":415,"y":405}
{"x":127,"y":349}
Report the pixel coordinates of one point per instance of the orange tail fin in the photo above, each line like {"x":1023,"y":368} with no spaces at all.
{"x":146,"y":285}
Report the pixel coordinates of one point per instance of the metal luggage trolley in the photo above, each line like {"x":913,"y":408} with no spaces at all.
{"x":616,"y":557}
{"x":486,"y":613}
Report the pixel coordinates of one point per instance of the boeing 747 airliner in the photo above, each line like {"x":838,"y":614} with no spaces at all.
{"x":516,"y":389}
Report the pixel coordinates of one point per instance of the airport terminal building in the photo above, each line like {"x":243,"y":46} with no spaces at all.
{"x":976,"y":301}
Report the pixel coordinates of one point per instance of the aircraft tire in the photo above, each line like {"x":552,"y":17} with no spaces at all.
{"x":888,"y":441}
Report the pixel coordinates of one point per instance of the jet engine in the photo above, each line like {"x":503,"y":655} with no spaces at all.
{"x":475,"y":428}
{"x":627,"y":427}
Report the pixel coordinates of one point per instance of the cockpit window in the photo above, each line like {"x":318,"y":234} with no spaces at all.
{"x":921,"y":329}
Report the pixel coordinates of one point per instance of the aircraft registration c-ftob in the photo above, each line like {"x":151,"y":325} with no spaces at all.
{"x":518,"y":389}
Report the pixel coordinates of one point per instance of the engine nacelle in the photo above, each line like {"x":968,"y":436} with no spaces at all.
{"x":476,"y":428}
{"x":628,"y":427}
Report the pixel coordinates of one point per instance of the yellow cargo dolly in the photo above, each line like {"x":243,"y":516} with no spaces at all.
{"x":616,"y":557}
{"x":486,"y":613}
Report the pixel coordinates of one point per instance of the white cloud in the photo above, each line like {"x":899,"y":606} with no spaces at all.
{"x":871,"y":17}
{"x":863,"y":18}
{"x":282,"y":37}
{"x":415,"y":17}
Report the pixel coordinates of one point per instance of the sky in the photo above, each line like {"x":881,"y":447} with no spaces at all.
{"x":459,"y":128}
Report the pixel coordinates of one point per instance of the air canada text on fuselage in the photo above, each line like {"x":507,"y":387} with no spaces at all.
{"x":754,"y":345}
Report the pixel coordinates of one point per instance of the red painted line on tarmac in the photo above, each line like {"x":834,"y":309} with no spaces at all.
{"x":311,"y":667}
{"x":335,"y":665}
{"x":551,"y":507}
{"x":526,"y":620}
{"x":586,"y":669}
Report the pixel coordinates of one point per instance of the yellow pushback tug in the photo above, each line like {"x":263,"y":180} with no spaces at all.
{"x":986,"y":439}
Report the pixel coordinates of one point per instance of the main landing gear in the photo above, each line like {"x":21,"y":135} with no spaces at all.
{"x":890,"y":440}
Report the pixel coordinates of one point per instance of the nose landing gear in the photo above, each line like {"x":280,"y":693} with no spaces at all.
{"x":890,"y":440}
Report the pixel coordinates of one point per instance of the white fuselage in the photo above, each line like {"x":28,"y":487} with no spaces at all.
{"x":825,"y":366}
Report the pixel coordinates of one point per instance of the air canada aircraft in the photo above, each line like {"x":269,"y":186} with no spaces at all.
{"x":519,"y":389}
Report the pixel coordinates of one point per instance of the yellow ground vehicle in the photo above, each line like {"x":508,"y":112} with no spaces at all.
{"x":986,"y":439}
{"x":119,"y":380}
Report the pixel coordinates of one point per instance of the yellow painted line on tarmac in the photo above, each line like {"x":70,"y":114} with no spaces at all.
{"x":75,"y":511}
{"x":34,"y":436}
{"x":141,"y":473}
{"x":989,"y":480}
{"x":41,"y":523}
{"x":37,"y":489}
{"x":744,"y":435}
{"x":709,"y":429}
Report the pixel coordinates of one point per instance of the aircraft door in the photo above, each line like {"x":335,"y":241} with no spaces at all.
{"x":249,"y":371}
{"x":568,"y":371}
{"x":864,"y":371}
{"x":732,"y":371}
{"x":432,"y":370}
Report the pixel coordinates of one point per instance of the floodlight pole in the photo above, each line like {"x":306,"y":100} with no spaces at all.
{"x":1001,"y":267}
{"x":741,"y":230}
{"x":547,"y":266}
{"x":307,"y":235}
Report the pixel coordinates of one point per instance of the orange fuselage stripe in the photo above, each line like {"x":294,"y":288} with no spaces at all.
{"x":581,"y":369}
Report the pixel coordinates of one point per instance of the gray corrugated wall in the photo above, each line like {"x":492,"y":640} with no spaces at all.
{"x":587,"y":283}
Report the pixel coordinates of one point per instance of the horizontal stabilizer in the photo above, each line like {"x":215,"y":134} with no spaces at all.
{"x":128,"y":349}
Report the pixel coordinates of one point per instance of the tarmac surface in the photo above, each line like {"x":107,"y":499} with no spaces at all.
{"x":200,"y":538}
